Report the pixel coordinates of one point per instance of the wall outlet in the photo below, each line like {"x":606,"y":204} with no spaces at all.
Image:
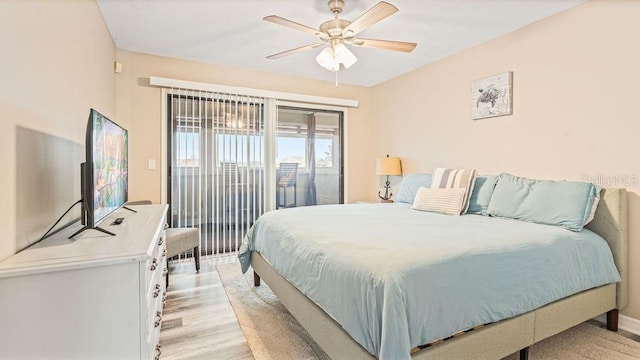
{"x":151,"y":164}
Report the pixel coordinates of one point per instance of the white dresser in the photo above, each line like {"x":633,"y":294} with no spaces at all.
{"x":93,"y":297}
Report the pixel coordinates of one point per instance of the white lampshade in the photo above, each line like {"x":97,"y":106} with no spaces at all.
{"x":330,"y":58}
{"x":388,"y":166}
{"x":344,"y":55}
{"x":327,"y":60}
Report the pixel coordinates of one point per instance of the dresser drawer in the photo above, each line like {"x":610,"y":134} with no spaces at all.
{"x":154,"y":316}
{"x":153,"y":347}
{"x":153,"y":268}
{"x":155,"y":311}
{"x":157,"y":282}
{"x":154,"y":271}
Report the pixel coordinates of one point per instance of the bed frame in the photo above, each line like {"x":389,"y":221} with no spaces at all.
{"x":493,"y":341}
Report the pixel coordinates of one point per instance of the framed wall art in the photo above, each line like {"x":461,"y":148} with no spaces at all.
{"x":492,"y":96}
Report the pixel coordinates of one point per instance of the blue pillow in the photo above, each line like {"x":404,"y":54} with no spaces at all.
{"x":561,"y":203}
{"x":481,"y":194}
{"x":410,"y":185}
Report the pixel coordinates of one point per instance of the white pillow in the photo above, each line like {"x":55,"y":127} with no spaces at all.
{"x":444,"y":178}
{"x":444,"y":201}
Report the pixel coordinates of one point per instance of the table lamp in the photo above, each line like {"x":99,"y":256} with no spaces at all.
{"x":388,"y":166}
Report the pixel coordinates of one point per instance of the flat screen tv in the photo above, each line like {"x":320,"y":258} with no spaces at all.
{"x":105,"y":171}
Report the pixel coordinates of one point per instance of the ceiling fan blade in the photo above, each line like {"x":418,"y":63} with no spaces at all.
{"x":385,"y":44}
{"x":293,"y":51}
{"x":380,"y":11}
{"x":292,"y":24}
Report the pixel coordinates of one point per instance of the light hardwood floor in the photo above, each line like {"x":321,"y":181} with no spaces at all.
{"x":198,"y":320}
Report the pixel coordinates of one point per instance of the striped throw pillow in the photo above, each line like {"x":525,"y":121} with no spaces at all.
{"x":444,"y":178}
{"x":443,"y":201}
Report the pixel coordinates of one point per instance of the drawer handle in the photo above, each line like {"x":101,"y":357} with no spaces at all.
{"x":154,"y":264}
{"x":159,"y":316}
{"x":158,"y":352}
{"x":164,"y":253}
{"x":164,"y":297}
{"x":161,"y":241}
{"x":165,"y":272}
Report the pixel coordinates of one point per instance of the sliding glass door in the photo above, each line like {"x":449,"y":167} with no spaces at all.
{"x":216,"y":173}
{"x":309,"y":157}
{"x":225,"y":152}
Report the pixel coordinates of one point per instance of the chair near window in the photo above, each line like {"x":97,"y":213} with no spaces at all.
{"x":287,"y":178}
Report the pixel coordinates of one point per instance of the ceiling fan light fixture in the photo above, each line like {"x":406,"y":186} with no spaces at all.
{"x":331,"y":57}
{"x":344,"y":55}
{"x":327,"y":60}
{"x":336,"y":32}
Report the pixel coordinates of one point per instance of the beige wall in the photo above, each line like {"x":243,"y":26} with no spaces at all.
{"x":139,"y":108}
{"x":56,"y":63}
{"x":575,"y":108}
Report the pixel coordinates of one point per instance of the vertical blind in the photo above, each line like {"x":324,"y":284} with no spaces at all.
{"x":216,"y":174}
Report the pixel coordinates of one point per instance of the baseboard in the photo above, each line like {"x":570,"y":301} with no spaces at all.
{"x":625,"y":323}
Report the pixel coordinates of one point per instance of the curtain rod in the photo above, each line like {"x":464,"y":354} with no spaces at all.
{"x":200,"y":86}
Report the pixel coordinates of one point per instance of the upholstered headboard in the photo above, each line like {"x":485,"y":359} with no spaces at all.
{"x":610,"y":222}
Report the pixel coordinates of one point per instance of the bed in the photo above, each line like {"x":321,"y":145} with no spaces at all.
{"x":379,"y":326}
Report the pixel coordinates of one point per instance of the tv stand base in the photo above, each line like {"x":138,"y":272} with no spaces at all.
{"x":94,"y":228}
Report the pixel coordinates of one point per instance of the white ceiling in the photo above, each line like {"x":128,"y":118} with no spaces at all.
{"x":232,"y":32}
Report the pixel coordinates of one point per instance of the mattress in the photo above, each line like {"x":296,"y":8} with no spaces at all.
{"x":395,"y":278}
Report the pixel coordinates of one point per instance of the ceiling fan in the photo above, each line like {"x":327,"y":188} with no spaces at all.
{"x":337,"y":32}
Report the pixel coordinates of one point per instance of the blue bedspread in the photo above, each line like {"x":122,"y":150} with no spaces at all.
{"x":396,"y":278}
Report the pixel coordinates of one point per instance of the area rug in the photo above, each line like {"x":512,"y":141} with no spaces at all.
{"x":273,"y":333}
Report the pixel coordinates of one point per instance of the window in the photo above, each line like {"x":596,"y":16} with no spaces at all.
{"x":324,"y":153}
{"x":237,"y":149}
{"x":291,"y":149}
{"x":187,"y":149}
